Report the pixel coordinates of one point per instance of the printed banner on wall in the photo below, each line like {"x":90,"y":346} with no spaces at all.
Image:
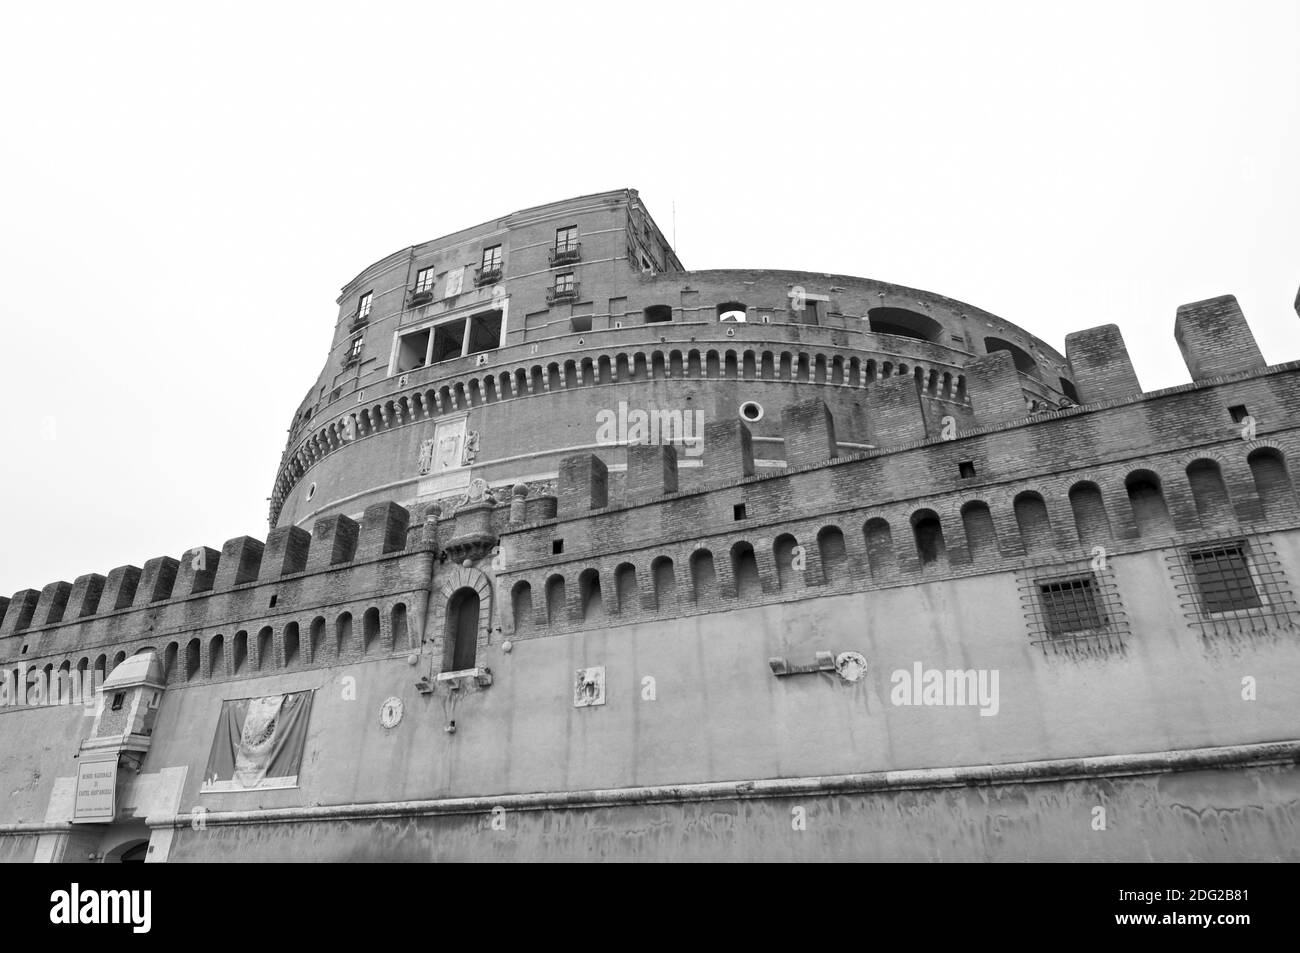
{"x":258,"y":744}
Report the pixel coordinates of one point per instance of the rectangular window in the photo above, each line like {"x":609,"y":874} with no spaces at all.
{"x":363,"y":307}
{"x":1223,"y":578}
{"x":411,"y":350}
{"x":1239,"y":413}
{"x":1070,"y":605}
{"x":580,"y":322}
{"x":484,"y":332}
{"x":564,"y":283}
{"x":424,"y":279}
{"x":448,"y":341}
{"x":118,"y":699}
{"x":355,"y":351}
{"x":492,"y":258}
{"x":566,"y":239}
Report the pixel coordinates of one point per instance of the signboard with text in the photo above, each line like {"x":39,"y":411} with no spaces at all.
{"x":96,"y":787}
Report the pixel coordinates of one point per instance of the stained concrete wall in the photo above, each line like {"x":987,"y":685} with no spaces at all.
{"x":1197,"y":816}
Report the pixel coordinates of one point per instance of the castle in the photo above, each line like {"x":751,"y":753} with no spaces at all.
{"x":576,"y":554}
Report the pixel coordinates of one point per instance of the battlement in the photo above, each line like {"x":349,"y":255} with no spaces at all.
{"x":177,"y":592}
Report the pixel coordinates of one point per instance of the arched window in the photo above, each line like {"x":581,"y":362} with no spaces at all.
{"x":317,"y":637}
{"x":1147,"y":498}
{"x":1031,"y":518}
{"x":744,"y":569}
{"x":169,"y":660}
{"x":521,"y":604}
{"x":903,"y":323}
{"x":665,"y":583}
{"x":193,"y":659}
{"x":1024,"y":361}
{"x":703,"y":575}
{"x":291,"y":640}
{"x":625,"y":587}
{"x":1209,"y":492}
{"x":593,"y":604}
{"x":369,"y":629}
{"x":732,"y":311}
{"x":239,"y":652}
{"x":881,"y":557}
{"x":834,"y":555}
{"x":1272,"y":483}
{"x":462,"y":630}
{"x":1090,"y":519}
{"x":783,"y":551}
{"x":981,"y":536}
{"x":397,"y":620}
{"x":555,"y":599}
{"x":217,"y":656}
{"x":927,"y":529}
{"x":265,"y":648}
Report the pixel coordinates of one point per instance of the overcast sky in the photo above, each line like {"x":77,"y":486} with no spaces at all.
{"x":184,"y":189}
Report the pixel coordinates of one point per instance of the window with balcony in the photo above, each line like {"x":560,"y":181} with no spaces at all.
{"x":489,"y":271}
{"x":354,"y":350}
{"x":567,"y":247}
{"x":363,"y":306}
{"x":422,"y":293}
{"x":564,"y":289}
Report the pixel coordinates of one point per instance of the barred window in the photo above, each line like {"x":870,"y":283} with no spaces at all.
{"x":424,"y":279}
{"x":1223,"y":578}
{"x":1070,"y":605}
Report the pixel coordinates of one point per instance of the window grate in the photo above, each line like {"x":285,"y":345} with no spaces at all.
{"x":1234,"y":585}
{"x":1073,"y":606}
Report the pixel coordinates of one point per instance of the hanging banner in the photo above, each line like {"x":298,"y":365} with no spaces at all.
{"x":258,"y":744}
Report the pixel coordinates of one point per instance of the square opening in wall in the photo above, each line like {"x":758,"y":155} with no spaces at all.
{"x":966,"y":468}
{"x":580,"y":322}
{"x":1239,"y":413}
{"x":411,"y":350}
{"x":447,"y":341}
{"x":738,"y":511}
{"x":557,"y":547}
{"x":484,"y":332}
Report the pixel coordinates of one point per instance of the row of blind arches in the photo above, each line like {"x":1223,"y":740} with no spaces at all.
{"x":246,"y":654}
{"x":831,"y":556}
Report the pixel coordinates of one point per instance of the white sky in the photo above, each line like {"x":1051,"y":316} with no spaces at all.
{"x":183,"y":191}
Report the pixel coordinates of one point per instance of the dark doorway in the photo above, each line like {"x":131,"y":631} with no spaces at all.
{"x":462,"y":629}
